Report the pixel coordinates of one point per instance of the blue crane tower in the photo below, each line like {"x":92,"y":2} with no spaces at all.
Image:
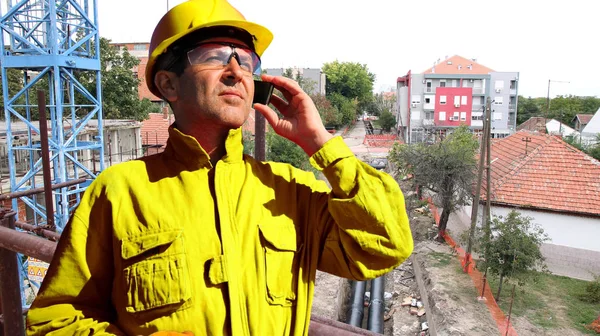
{"x":53,"y":46}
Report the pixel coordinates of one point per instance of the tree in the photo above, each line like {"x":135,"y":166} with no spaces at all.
{"x":248,"y":142}
{"x":348,"y":108}
{"x":445,"y":168}
{"x":387,"y":121}
{"x":280,"y":149}
{"x":349,"y":79}
{"x":120,"y":99}
{"x":514,"y":248}
{"x":381,"y":103}
{"x":15,"y":83}
{"x":330,"y":115}
{"x":527,"y":108}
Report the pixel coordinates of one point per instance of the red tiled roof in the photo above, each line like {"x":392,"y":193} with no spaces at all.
{"x":584,"y":118}
{"x":155,"y":130}
{"x":534,"y":124}
{"x":452,"y":69}
{"x":545,"y":173}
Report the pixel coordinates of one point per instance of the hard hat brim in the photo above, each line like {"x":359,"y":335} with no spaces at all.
{"x":262,"y":39}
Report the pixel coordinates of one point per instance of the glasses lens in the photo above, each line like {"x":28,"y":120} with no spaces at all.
{"x":216,"y":56}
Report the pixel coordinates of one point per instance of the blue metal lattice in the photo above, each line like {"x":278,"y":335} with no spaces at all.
{"x":55,"y":44}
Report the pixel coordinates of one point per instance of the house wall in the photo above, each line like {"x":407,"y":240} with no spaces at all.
{"x":574,"y":241}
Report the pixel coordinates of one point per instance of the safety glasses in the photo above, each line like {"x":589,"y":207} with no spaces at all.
{"x":217,"y":55}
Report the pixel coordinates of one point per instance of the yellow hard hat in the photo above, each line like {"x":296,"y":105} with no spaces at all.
{"x":192,"y":15}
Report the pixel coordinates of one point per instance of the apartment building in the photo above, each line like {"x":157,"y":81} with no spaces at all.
{"x":451,"y":93}
{"x":315,"y":75}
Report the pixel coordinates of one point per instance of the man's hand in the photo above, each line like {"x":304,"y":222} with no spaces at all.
{"x":301,"y":123}
{"x":172,"y":333}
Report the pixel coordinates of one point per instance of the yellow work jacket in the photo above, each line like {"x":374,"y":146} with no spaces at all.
{"x":169,"y":242}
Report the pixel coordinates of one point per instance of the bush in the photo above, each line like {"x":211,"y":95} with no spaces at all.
{"x":592,"y":292}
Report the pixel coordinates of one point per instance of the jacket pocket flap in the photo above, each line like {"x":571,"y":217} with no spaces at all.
{"x":134,"y":246}
{"x":281,"y":236}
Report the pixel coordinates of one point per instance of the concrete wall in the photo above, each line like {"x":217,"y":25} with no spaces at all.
{"x":573,"y":250}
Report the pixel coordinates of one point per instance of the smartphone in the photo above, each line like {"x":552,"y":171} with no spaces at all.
{"x":262,"y":92}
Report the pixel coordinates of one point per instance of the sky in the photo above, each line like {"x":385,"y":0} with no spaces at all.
{"x":542,"y":40}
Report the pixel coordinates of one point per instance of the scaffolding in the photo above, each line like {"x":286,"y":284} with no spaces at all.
{"x":55,"y":47}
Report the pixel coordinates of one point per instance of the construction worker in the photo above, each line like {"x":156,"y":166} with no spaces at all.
{"x":202,"y":239}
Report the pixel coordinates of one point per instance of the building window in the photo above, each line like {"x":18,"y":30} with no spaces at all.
{"x":140,"y":47}
{"x":463,"y":116}
{"x":427,"y":100}
{"x":457,"y":101}
{"x":455,"y":116}
{"x":513,"y":85}
{"x":416,"y":99}
{"x":499,"y":85}
{"x":442,"y":116}
{"x":463,"y":100}
{"x":498,"y":100}
{"x":429,"y":115}
{"x":497,"y":115}
{"x":442,"y":99}
{"x":442,"y":83}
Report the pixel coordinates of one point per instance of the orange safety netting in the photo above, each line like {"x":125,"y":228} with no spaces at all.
{"x":501,"y":320}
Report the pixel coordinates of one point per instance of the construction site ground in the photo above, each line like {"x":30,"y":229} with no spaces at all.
{"x":452,"y":305}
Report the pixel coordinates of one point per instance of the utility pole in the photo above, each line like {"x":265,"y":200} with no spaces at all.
{"x":487,"y":232}
{"x":475,"y":205}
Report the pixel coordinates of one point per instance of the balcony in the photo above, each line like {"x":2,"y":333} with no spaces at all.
{"x":428,"y":122}
{"x":429,"y":90}
{"x":478,"y":90}
{"x":512,"y":107}
{"x":513,"y":91}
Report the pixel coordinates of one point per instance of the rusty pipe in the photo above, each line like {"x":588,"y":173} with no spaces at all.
{"x":27,"y":244}
{"x":46,"y":160}
{"x":38,"y":230}
{"x":8,"y":196}
{"x":9,"y":277}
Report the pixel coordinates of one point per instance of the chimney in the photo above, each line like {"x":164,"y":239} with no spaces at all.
{"x":166,"y":112}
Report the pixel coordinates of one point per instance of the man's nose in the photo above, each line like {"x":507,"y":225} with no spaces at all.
{"x":233,"y":71}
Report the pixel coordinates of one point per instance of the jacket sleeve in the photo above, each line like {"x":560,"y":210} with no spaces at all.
{"x":75,"y":296}
{"x":362,"y":223}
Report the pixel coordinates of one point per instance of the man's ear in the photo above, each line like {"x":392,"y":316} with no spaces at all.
{"x":167,"y":83}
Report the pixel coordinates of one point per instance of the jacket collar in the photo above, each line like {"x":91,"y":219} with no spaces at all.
{"x":186,"y":149}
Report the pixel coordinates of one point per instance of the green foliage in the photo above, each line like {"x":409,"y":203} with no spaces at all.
{"x":248,"y":142}
{"x":446,"y":168}
{"x":529,"y":107}
{"x":387,"y":121}
{"x":514,"y":247}
{"x":592,"y":292}
{"x":330,"y":114}
{"x":280,"y":149}
{"x":120,"y":99}
{"x":562,"y":108}
{"x":380,"y":104}
{"x":349,"y":79}
{"x":347,"y":108}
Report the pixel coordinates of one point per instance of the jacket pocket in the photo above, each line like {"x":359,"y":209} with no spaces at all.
{"x":157,"y":274}
{"x":281,"y":263}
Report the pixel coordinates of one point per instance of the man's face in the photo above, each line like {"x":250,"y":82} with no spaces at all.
{"x":220,"y":97}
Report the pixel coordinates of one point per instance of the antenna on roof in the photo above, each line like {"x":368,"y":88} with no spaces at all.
{"x":526,"y":140}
